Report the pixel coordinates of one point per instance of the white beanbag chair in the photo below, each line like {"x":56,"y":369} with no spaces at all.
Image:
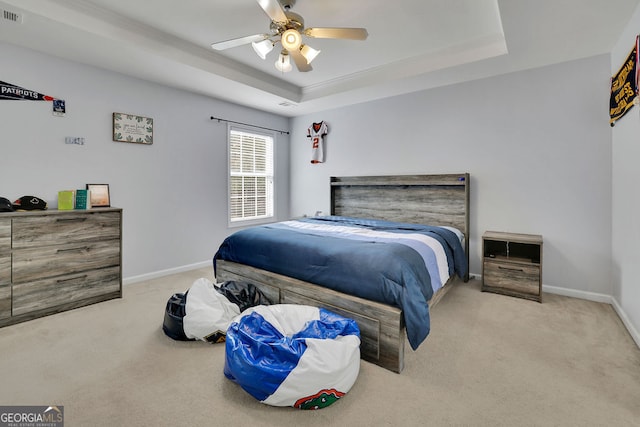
{"x":207,"y":312}
{"x":293,"y":355}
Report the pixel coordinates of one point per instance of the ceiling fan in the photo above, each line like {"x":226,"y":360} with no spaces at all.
{"x":288,"y":28}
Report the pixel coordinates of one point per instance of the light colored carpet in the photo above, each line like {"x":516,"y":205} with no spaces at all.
{"x":490,"y":360}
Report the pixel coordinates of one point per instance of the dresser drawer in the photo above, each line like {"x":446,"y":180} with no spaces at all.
{"x":5,"y":235}
{"x":66,"y":291}
{"x":516,"y":277}
{"x":60,"y":260}
{"x":5,"y":301}
{"x":38,"y":231}
{"x":5,"y":269}
{"x":5,"y":286}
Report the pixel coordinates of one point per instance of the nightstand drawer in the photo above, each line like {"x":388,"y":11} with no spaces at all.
{"x":516,"y":277}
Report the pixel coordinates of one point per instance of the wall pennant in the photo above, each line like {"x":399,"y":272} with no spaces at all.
{"x":17,"y":93}
{"x":624,"y":87}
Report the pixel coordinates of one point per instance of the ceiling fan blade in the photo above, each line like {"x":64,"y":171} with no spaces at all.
{"x":239,"y":41}
{"x":274,"y":10}
{"x":301,"y":62}
{"x":337,"y":33}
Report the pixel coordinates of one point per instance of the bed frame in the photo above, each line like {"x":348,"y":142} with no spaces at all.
{"x":422,"y":199}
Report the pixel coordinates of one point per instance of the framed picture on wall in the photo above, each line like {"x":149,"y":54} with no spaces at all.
{"x":99,"y":194}
{"x":132,"y":128}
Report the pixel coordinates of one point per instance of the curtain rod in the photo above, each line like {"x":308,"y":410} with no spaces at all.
{"x":247,"y":124}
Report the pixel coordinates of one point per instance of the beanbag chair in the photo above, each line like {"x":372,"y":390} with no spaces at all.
{"x":207,"y":312}
{"x":293,"y":355}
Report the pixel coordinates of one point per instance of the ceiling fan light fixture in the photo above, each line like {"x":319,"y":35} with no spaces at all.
{"x":262,"y":48}
{"x":309,"y":53}
{"x":291,"y":39}
{"x":283,"y":64}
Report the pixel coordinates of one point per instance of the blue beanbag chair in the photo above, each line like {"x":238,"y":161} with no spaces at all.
{"x":293,"y":355}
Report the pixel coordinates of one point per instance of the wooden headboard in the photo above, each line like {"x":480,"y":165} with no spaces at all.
{"x":418,"y":199}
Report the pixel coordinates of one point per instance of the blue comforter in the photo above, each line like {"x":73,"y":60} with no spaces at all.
{"x":393,"y":263}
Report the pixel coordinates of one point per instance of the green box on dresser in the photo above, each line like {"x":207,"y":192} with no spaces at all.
{"x":57,"y":260}
{"x":512,"y":264}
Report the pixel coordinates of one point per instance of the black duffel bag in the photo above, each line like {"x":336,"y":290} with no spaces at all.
{"x":173,"y":315}
{"x":243,"y":294}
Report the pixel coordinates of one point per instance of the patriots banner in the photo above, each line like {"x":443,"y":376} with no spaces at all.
{"x":9,"y":91}
{"x":13,"y":92}
{"x":624,"y":87}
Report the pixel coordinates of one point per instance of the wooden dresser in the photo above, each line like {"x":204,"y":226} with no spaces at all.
{"x":53,"y":261}
{"x":512,"y":264}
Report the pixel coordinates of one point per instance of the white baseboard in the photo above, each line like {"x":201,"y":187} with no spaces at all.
{"x":589,"y":296}
{"x":162,"y":273}
{"x":625,"y":320}
{"x":595,"y":297}
{"x":607,"y":299}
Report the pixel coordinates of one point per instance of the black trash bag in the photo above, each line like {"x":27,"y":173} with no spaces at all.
{"x":243,"y":294}
{"x":173,"y":325}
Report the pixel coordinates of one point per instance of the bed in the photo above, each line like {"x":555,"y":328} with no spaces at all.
{"x":422,"y":205}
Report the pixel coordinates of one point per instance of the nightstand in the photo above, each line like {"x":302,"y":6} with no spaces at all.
{"x":512,"y":264}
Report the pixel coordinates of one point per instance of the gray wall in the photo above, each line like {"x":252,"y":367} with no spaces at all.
{"x":174,"y":192}
{"x":536,"y":143}
{"x":626,"y":201}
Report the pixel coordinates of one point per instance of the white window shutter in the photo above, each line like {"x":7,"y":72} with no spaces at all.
{"x":250,"y":176}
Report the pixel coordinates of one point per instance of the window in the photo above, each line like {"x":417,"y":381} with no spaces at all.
{"x":250,"y":176}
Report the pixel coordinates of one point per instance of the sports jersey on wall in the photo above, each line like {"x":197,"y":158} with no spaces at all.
{"x":316,"y":132}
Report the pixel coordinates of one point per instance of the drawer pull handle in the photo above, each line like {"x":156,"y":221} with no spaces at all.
{"x":73,"y":278}
{"x":71,"y":219}
{"x":511,"y":269}
{"x":82,"y":249}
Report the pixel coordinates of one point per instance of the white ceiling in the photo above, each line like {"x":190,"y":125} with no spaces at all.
{"x":412,"y":44}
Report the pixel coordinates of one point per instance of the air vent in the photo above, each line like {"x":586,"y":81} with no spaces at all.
{"x":287,"y":104}
{"x":7,"y":15}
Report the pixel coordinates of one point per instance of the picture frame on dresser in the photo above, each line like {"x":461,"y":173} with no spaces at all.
{"x":99,"y":195}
